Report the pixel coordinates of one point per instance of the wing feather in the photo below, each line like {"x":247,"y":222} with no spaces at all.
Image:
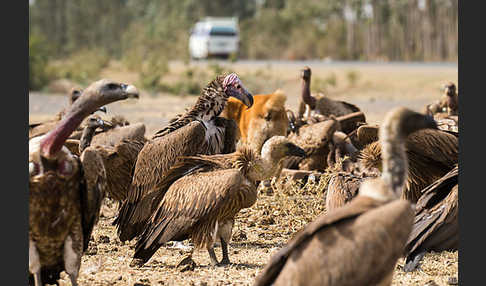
{"x":92,"y":190}
{"x":153,"y":161}
{"x":193,"y":201}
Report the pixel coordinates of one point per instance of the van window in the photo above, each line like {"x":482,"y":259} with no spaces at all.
{"x":222,"y":31}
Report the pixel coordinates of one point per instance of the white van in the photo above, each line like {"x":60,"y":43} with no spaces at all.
{"x":214,"y":36}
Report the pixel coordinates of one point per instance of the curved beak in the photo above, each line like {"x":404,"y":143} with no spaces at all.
{"x":130,"y":91}
{"x":244,"y":96}
{"x":105,"y":125}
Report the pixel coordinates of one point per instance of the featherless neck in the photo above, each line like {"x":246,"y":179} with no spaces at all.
{"x":306,"y":94}
{"x":394,"y":158}
{"x":54,"y":140}
{"x":86,"y":138}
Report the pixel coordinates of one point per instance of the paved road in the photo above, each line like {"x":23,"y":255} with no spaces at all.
{"x":320,"y":63}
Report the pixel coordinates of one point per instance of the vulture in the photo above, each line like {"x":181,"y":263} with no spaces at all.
{"x":314,"y":139}
{"x":66,"y":191}
{"x":436,"y":224}
{"x":41,"y":128}
{"x":203,"y":194}
{"x":199,"y":130}
{"x":448,"y":104}
{"x":119,"y":156}
{"x":323,"y":142}
{"x":319,"y":105}
{"x":452,"y":101}
{"x":360,"y":242}
{"x":431,"y":154}
{"x":266,"y":118}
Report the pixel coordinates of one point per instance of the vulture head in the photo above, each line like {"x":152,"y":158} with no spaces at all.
{"x":94,"y":122}
{"x":76,"y":93}
{"x":401,"y":122}
{"x":233,"y":87}
{"x":278,"y":147}
{"x":306,"y":73}
{"x":307,"y":98}
{"x":450,"y":89}
{"x":99,"y":93}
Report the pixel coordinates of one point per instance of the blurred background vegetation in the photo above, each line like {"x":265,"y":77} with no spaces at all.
{"x":76,"y":39}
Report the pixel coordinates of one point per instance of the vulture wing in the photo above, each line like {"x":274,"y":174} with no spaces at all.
{"x":431,"y":153}
{"x":114,"y":136}
{"x":119,"y":162}
{"x":355,"y":208}
{"x":436,"y":217}
{"x":191,"y":207}
{"x":92,"y":191}
{"x":153,"y":161}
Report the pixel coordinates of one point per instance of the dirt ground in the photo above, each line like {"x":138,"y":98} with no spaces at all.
{"x":265,"y":227}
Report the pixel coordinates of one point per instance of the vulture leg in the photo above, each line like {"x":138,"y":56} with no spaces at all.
{"x":73,"y":280}
{"x":34,"y":263}
{"x":72,"y":257}
{"x":212,"y":256}
{"x":37,"y":278}
{"x":224,"y":248}
{"x":224,"y":234}
{"x":331,"y":155}
{"x":412,"y":264}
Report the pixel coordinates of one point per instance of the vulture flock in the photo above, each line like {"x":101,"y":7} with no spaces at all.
{"x":392,"y":189}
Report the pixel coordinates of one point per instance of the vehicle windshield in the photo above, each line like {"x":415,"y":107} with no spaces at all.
{"x":222,"y":31}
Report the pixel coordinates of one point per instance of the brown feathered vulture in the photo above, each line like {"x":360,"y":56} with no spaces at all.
{"x":198,"y":131}
{"x":436,"y":224}
{"x":314,"y":139}
{"x":41,"y":128}
{"x":452,"y":102}
{"x":65,"y":191}
{"x":359,"y":243}
{"x":203,"y":194}
{"x":119,"y":154}
{"x":431,"y":154}
{"x":319,"y":105}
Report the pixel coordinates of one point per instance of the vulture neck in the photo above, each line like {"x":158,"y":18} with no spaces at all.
{"x":271,"y":163}
{"x":53,"y":141}
{"x":307,"y":98}
{"x":86,"y":138}
{"x":211,"y":102}
{"x":394,"y":158}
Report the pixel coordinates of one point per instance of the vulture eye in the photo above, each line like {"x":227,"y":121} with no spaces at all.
{"x":33,"y":168}
{"x":65,"y":168}
{"x":113,"y":86}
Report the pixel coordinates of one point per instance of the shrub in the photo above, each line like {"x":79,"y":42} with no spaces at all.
{"x":38,"y":59}
{"x":82,"y":67}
